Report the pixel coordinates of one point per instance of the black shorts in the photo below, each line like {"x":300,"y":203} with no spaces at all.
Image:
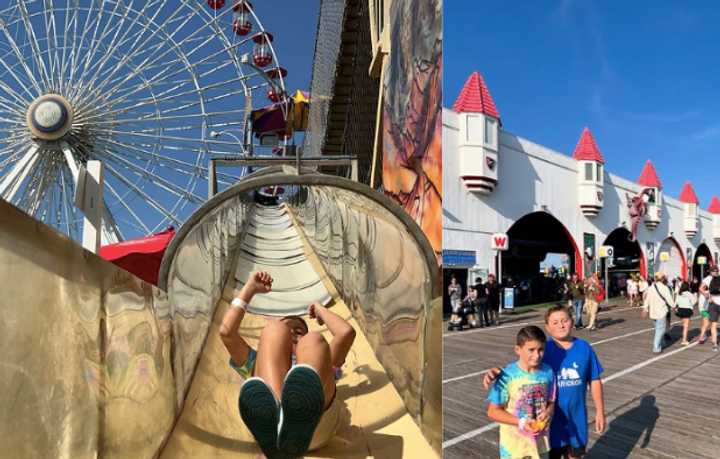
{"x":714,"y":311}
{"x":684,"y":313}
{"x":565,"y":452}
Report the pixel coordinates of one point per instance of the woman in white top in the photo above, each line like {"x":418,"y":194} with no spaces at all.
{"x":632,"y":290}
{"x":685,"y":303}
{"x":658,"y":301}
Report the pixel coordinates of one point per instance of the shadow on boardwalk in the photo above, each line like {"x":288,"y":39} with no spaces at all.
{"x":626,"y":430}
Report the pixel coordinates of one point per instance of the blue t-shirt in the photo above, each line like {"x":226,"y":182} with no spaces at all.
{"x":574,"y":368}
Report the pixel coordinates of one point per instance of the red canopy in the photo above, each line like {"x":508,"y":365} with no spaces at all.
{"x":141,"y":257}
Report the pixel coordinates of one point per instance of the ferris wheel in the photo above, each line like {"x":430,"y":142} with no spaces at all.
{"x":145,"y":87}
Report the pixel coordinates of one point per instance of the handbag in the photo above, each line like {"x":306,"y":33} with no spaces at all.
{"x":663,"y":298}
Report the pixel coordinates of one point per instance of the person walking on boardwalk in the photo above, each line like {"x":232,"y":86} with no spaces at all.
{"x":288,"y":400}
{"x":658,"y":302}
{"x":685,"y":302}
{"x":492,"y":289}
{"x":710,"y":289}
{"x":593,"y":289}
{"x":576,"y":368}
{"x":577,"y":293}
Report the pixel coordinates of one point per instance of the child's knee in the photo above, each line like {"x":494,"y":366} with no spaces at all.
{"x":312,"y":339}
{"x":276,"y":330}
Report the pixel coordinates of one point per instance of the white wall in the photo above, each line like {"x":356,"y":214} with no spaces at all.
{"x":535,"y":178}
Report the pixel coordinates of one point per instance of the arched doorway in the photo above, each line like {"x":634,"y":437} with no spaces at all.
{"x":541,"y":254}
{"x":628,"y":259}
{"x":671,"y":260}
{"x":699,"y":270}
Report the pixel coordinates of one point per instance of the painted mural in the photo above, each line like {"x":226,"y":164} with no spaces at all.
{"x":412,"y":114}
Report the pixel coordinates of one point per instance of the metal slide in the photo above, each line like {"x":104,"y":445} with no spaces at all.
{"x":99,"y":364}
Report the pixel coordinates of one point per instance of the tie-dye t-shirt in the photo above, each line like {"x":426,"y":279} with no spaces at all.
{"x":523,"y":394}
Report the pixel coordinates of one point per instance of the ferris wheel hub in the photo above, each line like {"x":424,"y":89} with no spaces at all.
{"x":49,"y":117}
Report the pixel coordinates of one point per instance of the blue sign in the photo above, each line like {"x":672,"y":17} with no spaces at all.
{"x":509,"y":298}
{"x":458,"y":258}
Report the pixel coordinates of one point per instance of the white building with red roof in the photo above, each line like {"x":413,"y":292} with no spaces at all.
{"x":557,"y":203}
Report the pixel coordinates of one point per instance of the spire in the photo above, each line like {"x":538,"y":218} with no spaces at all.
{"x":649,"y":177}
{"x":687,"y":195}
{"x":476,"y":98}
{"x":586,"y":148}
{"x":714,"y":206}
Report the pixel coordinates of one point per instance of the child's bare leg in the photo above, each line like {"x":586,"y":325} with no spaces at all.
{"x":686,"y":322}
{"x":273,"y":355}
{"x":313,"y":350}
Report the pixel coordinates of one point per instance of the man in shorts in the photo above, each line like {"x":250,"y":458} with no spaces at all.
{"x":710,"y":289}
{"x":288,"y":398}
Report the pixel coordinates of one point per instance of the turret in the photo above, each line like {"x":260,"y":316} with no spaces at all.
{"x":714,"y":209}
{"x":690,"y":204}
{"x":590,"y":174}
{"x":478,"y":143}
{"x":653,"y":189}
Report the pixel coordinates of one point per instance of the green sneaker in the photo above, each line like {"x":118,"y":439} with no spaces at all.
{"x":261,"y":414}
{"x":303,"y":403}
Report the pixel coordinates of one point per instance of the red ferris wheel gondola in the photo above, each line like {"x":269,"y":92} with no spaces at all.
{"x":216,"y":4}
{"x":241,"y":17}
{"x":274,"y":74}
{"x":262,"y":55}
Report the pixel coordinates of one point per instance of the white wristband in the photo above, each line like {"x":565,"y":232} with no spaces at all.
{"x":238,"y":303}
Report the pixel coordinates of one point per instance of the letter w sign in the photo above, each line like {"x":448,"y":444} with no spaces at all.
{"x":500,"y":241}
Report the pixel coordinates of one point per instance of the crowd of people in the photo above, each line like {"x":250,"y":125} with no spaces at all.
{"x":480,"y":307}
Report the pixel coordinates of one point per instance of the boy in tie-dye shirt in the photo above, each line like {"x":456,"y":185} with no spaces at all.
{"x":523,"y":398}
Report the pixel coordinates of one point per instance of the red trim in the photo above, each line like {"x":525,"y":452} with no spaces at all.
{"x":578,"y":255}
{"x":643,"y":263}
{"x":683,"y":270}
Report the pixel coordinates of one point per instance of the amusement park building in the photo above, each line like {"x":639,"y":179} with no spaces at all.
{"x":550,"y":202}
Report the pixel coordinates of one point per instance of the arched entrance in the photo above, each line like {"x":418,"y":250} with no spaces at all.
{"x":539,"y":239}
{"x":699,"y":270}
{"x":628,"y":259}
{"x":671,"y":260}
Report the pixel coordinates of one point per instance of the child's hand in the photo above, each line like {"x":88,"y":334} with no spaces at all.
{"x":490,"y":377}
{"x":600,"y":422}
{"x":260,"y":282}
{"x":530,"y":426}
{"x":313,"y":313}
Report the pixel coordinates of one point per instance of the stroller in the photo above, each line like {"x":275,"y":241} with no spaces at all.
{"x":465,"y":313}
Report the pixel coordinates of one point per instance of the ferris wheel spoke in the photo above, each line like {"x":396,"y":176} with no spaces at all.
{"x":116,"y":42}
{"x":53,"y":56}
{"x":75,"y":82}
{"x":129,"y":210}
{"x":34,"y":45}
{"x":179,"y":166}
{"x":175,"y":46}
{"x":12,"y":181}
{"x":155,"y":179}
{"x":68,"y":194}
{"x":45,"y":173}
{"x":160,"y":116}
{"x":142,"y":195}
{"x":134,"y":50}
{"x":72,"y":58}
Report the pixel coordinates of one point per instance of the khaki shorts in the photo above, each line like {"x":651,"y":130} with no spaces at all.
{"x":327,"y":426}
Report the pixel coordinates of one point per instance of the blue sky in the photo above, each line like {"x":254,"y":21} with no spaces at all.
{"x":643,"y":76}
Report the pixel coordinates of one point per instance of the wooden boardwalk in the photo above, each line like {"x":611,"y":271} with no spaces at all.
{"x":657,"y":406}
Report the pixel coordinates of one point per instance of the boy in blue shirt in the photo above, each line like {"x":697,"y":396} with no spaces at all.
{"x":522,"y":399}
{"x":576,"y":367}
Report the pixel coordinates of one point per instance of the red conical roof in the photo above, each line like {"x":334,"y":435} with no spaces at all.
{"x":714,"y":206}
{"x":475,"y":97}
{"x":688,"y":195}
{"x":586,"y":148}
{"x":648,"y":176}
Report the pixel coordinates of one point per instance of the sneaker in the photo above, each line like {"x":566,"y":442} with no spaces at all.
{"x":701,"y":340}
{"x":685,"y":343}
{"x":715,"y":348}
{"x":303,"y":404}
{"x":260,"y":412}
